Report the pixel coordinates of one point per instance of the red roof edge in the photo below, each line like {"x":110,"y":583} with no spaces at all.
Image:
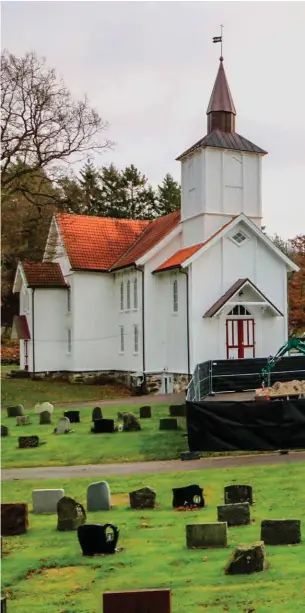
{"x":20,"y":328}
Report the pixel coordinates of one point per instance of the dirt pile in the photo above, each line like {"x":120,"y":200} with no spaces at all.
{"x":287,"y":388}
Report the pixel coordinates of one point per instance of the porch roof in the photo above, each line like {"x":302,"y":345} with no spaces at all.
{"x":226,"y":298}
{"x":20,"y":328}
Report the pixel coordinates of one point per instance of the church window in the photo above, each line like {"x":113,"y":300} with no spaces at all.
{"x":69,"y":299}
{"x":239,"y":309}
{"x":122,"y":296}
{"x":69,"y":341}
{"x":175,"y":296}
{"x":128,"y":296}
{"x":239,"y":237}
{"x":136,"y":338}
{"x":135,"y":294}
{"x":122,"y":343}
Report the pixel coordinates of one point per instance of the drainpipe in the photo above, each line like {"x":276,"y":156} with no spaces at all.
{"x":141,"y":270}
{"x":185,"y":272}
{"x":33,"y":331}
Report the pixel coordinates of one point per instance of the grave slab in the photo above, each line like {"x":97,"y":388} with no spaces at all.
{"x":238,"y":493}
{"x":203,"y":536}
{"x":189,"y":496}
{"x":168,"y":423}
{"x":189,"y":455}
{"x":45,"y":501}
{"x":73,"y":416}
{"x":97,"y":413}
{"x":70,"y":514}
{"x":40,"y":407}
{"x":3,"y":604}
{"x":145,"y":412}
{"x":246,"y":559}
{"x":98,"y":496}
{"x":27,"y":442}
{"x":14,"y":518}
{"x":96,"y":539}
{"x":237,"y":514}
{"x":144,"y":498}
{"x":281,"y":531}
{"x":130,"y":422}
{"x":15,"y":411}
{"x":103,"y":426}
{"x":177,"y":410}
{"x":63,"y":426}
{"x":4,"y":430}
{"x":45,"y":418}
{"x":23,"y":420}
{"x":148,"y":601}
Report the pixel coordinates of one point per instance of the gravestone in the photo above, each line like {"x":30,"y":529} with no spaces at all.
{"x":145,"y":412}
{"x":97,"y":413}
{"x":102,"y":426}
{"x":70,"y":514}
{"x":14,"y":518}
{"x":238,"y":493}
{"x":281,"y":531}
{"x":27,"y":442}
{"x":3,"y":604}
{"x":45,"y":501}
{"x":189,"y":496}
{"x":202,"y":536}
{"x":168,"y":423}
{"x":96,"y":539}
{"x":4,"y":430}
{"x":98,"y":496}
{"x":45,"y":418}
{"x":246,"y":559}
{"x":40,"y":407}
{"x":63,"y":426}
{"x":177,"y":410}
{"x":150,"y":601}
{"x":130,"y":423}
{"x":23,"y":420}
{"x":237,"y":514}
{"x":73,"y":416}
{"x":144,"y":498}
{"x":189,"y":455}
{"x":15,"y":411}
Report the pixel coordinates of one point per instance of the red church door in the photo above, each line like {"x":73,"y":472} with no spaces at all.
{"x":240,"y":338}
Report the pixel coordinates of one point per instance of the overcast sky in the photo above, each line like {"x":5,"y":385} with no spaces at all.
{"x":149,"y":68}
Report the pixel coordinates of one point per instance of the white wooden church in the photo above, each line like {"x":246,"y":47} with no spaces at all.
{"x":150,"y":300}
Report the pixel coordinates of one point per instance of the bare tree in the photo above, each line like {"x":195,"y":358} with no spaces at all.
{"x":42,"y":126}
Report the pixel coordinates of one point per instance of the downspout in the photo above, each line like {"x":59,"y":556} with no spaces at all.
{"x":33,"y":331}
{"x":141,"y":270}
{"x":185,"y":272}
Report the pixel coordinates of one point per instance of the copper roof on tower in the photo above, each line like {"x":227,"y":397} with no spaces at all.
{"x":221,"y":97}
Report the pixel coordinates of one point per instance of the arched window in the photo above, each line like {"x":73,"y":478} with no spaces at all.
{"x":135,"y":294}
{"x":239,"y":309}
{"x":175,"y":296}
{"x":122,"y":296}
{"x":128,"y":295}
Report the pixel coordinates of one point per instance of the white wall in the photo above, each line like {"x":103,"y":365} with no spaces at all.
{"x":50,"y":306}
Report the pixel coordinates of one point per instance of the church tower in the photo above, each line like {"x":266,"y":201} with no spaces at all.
{"x":221,"y":173}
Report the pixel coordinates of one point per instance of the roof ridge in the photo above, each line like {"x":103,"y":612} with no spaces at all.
{"x":79,"y":215}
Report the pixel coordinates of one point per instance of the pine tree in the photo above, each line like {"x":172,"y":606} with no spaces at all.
{"x":168,"y":196}
{"x":91,"y":190}
{"x":112,"y":192}
{"x":138,"y":196}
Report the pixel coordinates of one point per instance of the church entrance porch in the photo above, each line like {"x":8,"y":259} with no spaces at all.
{"x":240,"y":338}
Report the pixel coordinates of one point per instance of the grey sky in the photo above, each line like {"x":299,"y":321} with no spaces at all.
{"x":149,"y":68}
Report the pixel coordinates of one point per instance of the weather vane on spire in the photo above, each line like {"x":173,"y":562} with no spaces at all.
{"x":218,"y":39}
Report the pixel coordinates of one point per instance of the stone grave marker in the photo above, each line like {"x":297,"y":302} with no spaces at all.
{"x":168,"y":423}
{"x":4,"y":430}
{"x":44,"y":406}
{"x":23,"y":420}
{"x":14,"y":518}
{"x":27,"y":442}
{"x":189,"y":496}
{"x":96,"y":539}
{"x":63,"y":426}
{"x":189,"y":455}
{"x":73,"y":416}
{"x":281,"y":531}
{"x":70,"y":514}
{"x":202,"y":536}
{"x":144,"y":498}
{"x":3,"y":604}
{"x":45,"y":501}
{"x":45,"y":418}
{"x":98,"y":496}
{"x":15,"y":411}
{"x":145,"y":412}
{"x":237,"y":514}
{"x":130,"y":423}
{"x":102,"y":426}
{"x":150,"y":601}
{"x":97,"y":413}
{"x":246,"y":559}
{"x":177,"y":410}
{"x":238,"y":493}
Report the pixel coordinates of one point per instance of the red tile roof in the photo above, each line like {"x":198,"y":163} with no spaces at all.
{"x":43,"y":274}
{"x":20,"y":328}
{"x":179,"y":257}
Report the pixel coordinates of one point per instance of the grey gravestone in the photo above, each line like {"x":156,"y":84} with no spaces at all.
{"x":70,"y":514}
{"x":189,"y":455}
{"x":238,"y":493}
{"x":98,"y":496}
{"x":237,"y":514}
{"x":26,"y":442}
{"x":144,"y":498}
{"x":23,"y":420}
{"x":168,"y":423}
{"x":44,"y":406}
{"x":45,"y":418}
{"x":130,"y":423}
{"x":63,"y":426}
{"x":246,"y":559}
{"x":177,"y":410}
{"x":4,"y":430}
{"x":202,"y":536}
{"x":45,"y":501}
{"x":15,"y":411}
{"x":145,"y":412}
{"x":97,"y":413}
{"x":281,"y":531}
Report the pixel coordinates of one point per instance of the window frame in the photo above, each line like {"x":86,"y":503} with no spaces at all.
{"x":122,"y":341}
{"x":135,"y":294}
{"x":122,"y":296}
{"x":236,"y":233}
{"x":175,"y":296}
{"x":136,"y":339}
{"x":69,"y":309}
{"x":128,"y":295}
{"x":69,"y":331}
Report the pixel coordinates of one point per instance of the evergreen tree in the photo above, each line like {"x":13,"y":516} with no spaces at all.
{"x":168,"y":196}
{"x":91,"y":190}
{"x":112,"y":192}
{"x":139,"y":198}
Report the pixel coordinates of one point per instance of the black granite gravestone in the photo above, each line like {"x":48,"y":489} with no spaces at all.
{"x":73,"y":416}
{"x":97,"y":413}
{"x":238,"y":493}
{"x":4,"y":430}
{"x":97,"y":539}
{"x":189,"y":496}
{"x":103,"y":426}
{"x":25,"y":442}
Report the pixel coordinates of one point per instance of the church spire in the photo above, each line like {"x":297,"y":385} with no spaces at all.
{"x":221,"y":110}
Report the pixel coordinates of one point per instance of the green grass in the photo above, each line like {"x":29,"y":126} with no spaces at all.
{"x":44,"y":570}
{"x":82,"y":447}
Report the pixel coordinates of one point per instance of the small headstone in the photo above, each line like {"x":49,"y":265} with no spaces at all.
{"x":73,"y":416}
{"x":102,"y":426}
{"x":238,"y":493}
{"x":70,"y":514}
{"x":145,"y":412}
{"x":144,"y":498}
{"x":130,"y":423}
{"x":14,"y":518}
{"x":168,"y":423}
{"x":3,"y":604}
{"x":189,"y":455}
{"x":96,"y":539}
{"x":27,"y":442}
{"x":63,"y":426}
{"x":177,"y":410}
{"x":23,"y":420}
{"x":202,"y":536}
{"x":237,"y":514}
{"x":45,"y":501}
{"x":98,"y":496}
{"x":189,"y":496}
{"x":150,"y":601}
{"x":4,"y":430}
{"x":45,"y":418}
{"x":44,"y":406}
{"x":246,"y":559}
{"x":97,"y":413}
{"x":15,"y":411}
{"x":281,"y":531}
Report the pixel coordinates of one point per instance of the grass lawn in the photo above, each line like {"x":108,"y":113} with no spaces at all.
{"x":44,"y":570}
{"x":82,"y":447}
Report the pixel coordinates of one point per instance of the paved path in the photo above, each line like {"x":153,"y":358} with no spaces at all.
{"x":103,"y":470}
{"x":133,"y":400}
